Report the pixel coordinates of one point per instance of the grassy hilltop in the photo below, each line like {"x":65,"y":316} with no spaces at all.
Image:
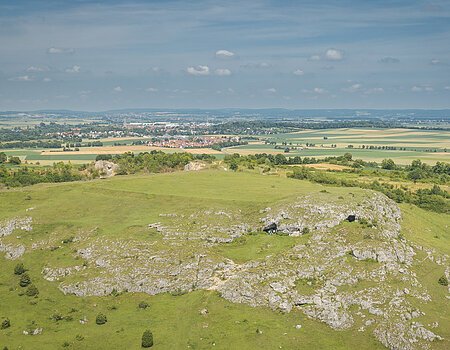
{"x":108,"y":221}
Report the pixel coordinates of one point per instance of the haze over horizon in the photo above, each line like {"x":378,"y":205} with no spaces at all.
{"x":101,"y":55}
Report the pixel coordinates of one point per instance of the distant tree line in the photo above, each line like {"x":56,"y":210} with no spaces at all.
{"x":30,"y":144}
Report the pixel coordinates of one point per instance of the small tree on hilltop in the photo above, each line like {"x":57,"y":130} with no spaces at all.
{"x":443,"y":281}
{"x":32,"y":291}
{"x":19,"y":269}
{"x":25,"y":280}
{"x":5,"y":324}
{"x":147,"y":339}
{"x":101,"y":319}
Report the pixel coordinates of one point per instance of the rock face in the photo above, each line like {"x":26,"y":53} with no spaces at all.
{"x":106,"y":168}
{"x":194,"y":166}
{"x":13,"y":251}
{"x":271,"y":228}
{"x":341,"y":275}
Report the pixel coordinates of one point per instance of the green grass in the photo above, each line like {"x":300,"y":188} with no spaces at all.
{"x":122,"y":207}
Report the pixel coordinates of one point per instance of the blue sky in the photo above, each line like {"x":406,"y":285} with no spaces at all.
{"x":97,"y":55}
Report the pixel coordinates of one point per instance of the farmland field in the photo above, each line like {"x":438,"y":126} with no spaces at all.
{"x":416,"y":142}
{"x":428,"y":146}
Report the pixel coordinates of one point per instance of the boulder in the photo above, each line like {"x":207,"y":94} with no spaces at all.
{"x":194,"y":166}
{"x":106,"y":168}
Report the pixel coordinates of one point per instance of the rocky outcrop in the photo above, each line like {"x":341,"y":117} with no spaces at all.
{"x":341,"y":275}
{"x":14,"y":251}
{"x":194,"y":166}
{"x":106,"y":168}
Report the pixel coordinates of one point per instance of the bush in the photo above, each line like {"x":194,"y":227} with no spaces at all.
{"x":25,"y":280}
{"x":32,"y":291}
{"x":101,"y":319}
{"x":147,"y":339}
{"x":443,"y":281}
{"x":143,"y":305}
{"x":19,"y":269}
{"x":6,"y":323}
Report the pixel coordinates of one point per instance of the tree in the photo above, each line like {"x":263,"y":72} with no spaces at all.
{"x":25,"y":280}
{"x":14,"y":160}
{"x":3,"y":157}
{"x":19,"y":269}
{"x":348,"y":156}
{"x":147,"y":339}
{"x":101,"y":319}
{"x":143,"y":305}
{"x":6,"y":323}
{"x":32,"y":291}
{"x":388,"y":164}
{"x":443,"y":281}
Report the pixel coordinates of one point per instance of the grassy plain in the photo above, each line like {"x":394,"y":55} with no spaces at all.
{"x":121,"y":208}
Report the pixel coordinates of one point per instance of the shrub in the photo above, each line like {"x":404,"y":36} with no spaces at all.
{"x":143,"y":305}
{"x":32,"y":291}
{"x":57,"y":317}
{"x":6,"y":323}
{"x":305,"y":230}
{"x":25,"y":280}
{"x":443,"y":281}
{"x":147,"y":339}
{"x":101,"y":319}
{"x":19,"y":269}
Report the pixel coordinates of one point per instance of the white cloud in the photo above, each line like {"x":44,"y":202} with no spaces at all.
{"x":46,"y":80}
{"x":334,"y":55}
{"x":225,"y":54}
{"x":36,"y":69}
{"x":22,"y":78}
{"x":388,"y":60}
{"x":150,"y":89}
{"x":419,"y":88}
{"x":222,"y":72}
{"x":257,"y":65}
{"x":314,"y":58}
{"x":117,"y":89}
{"x":436,"y":62}
{"x":377,"y":90}
{"x":199,"y":70}
{"x":319,"y":90}
{"x":60,"y":50}
{"x":298,"y":72}
{"x":271,"y":90}
{"x":353,"y":88}
{"x":74,"y":69}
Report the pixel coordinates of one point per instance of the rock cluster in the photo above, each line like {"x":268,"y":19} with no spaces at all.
{"x":7,"y":228}
{"x":106,"y":168}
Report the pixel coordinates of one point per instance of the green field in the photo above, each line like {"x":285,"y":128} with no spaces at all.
{"x":416,"y":142}
{"x":119,"y":210}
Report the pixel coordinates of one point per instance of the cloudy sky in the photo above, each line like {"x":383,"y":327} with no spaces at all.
{"x":97,"y":55}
